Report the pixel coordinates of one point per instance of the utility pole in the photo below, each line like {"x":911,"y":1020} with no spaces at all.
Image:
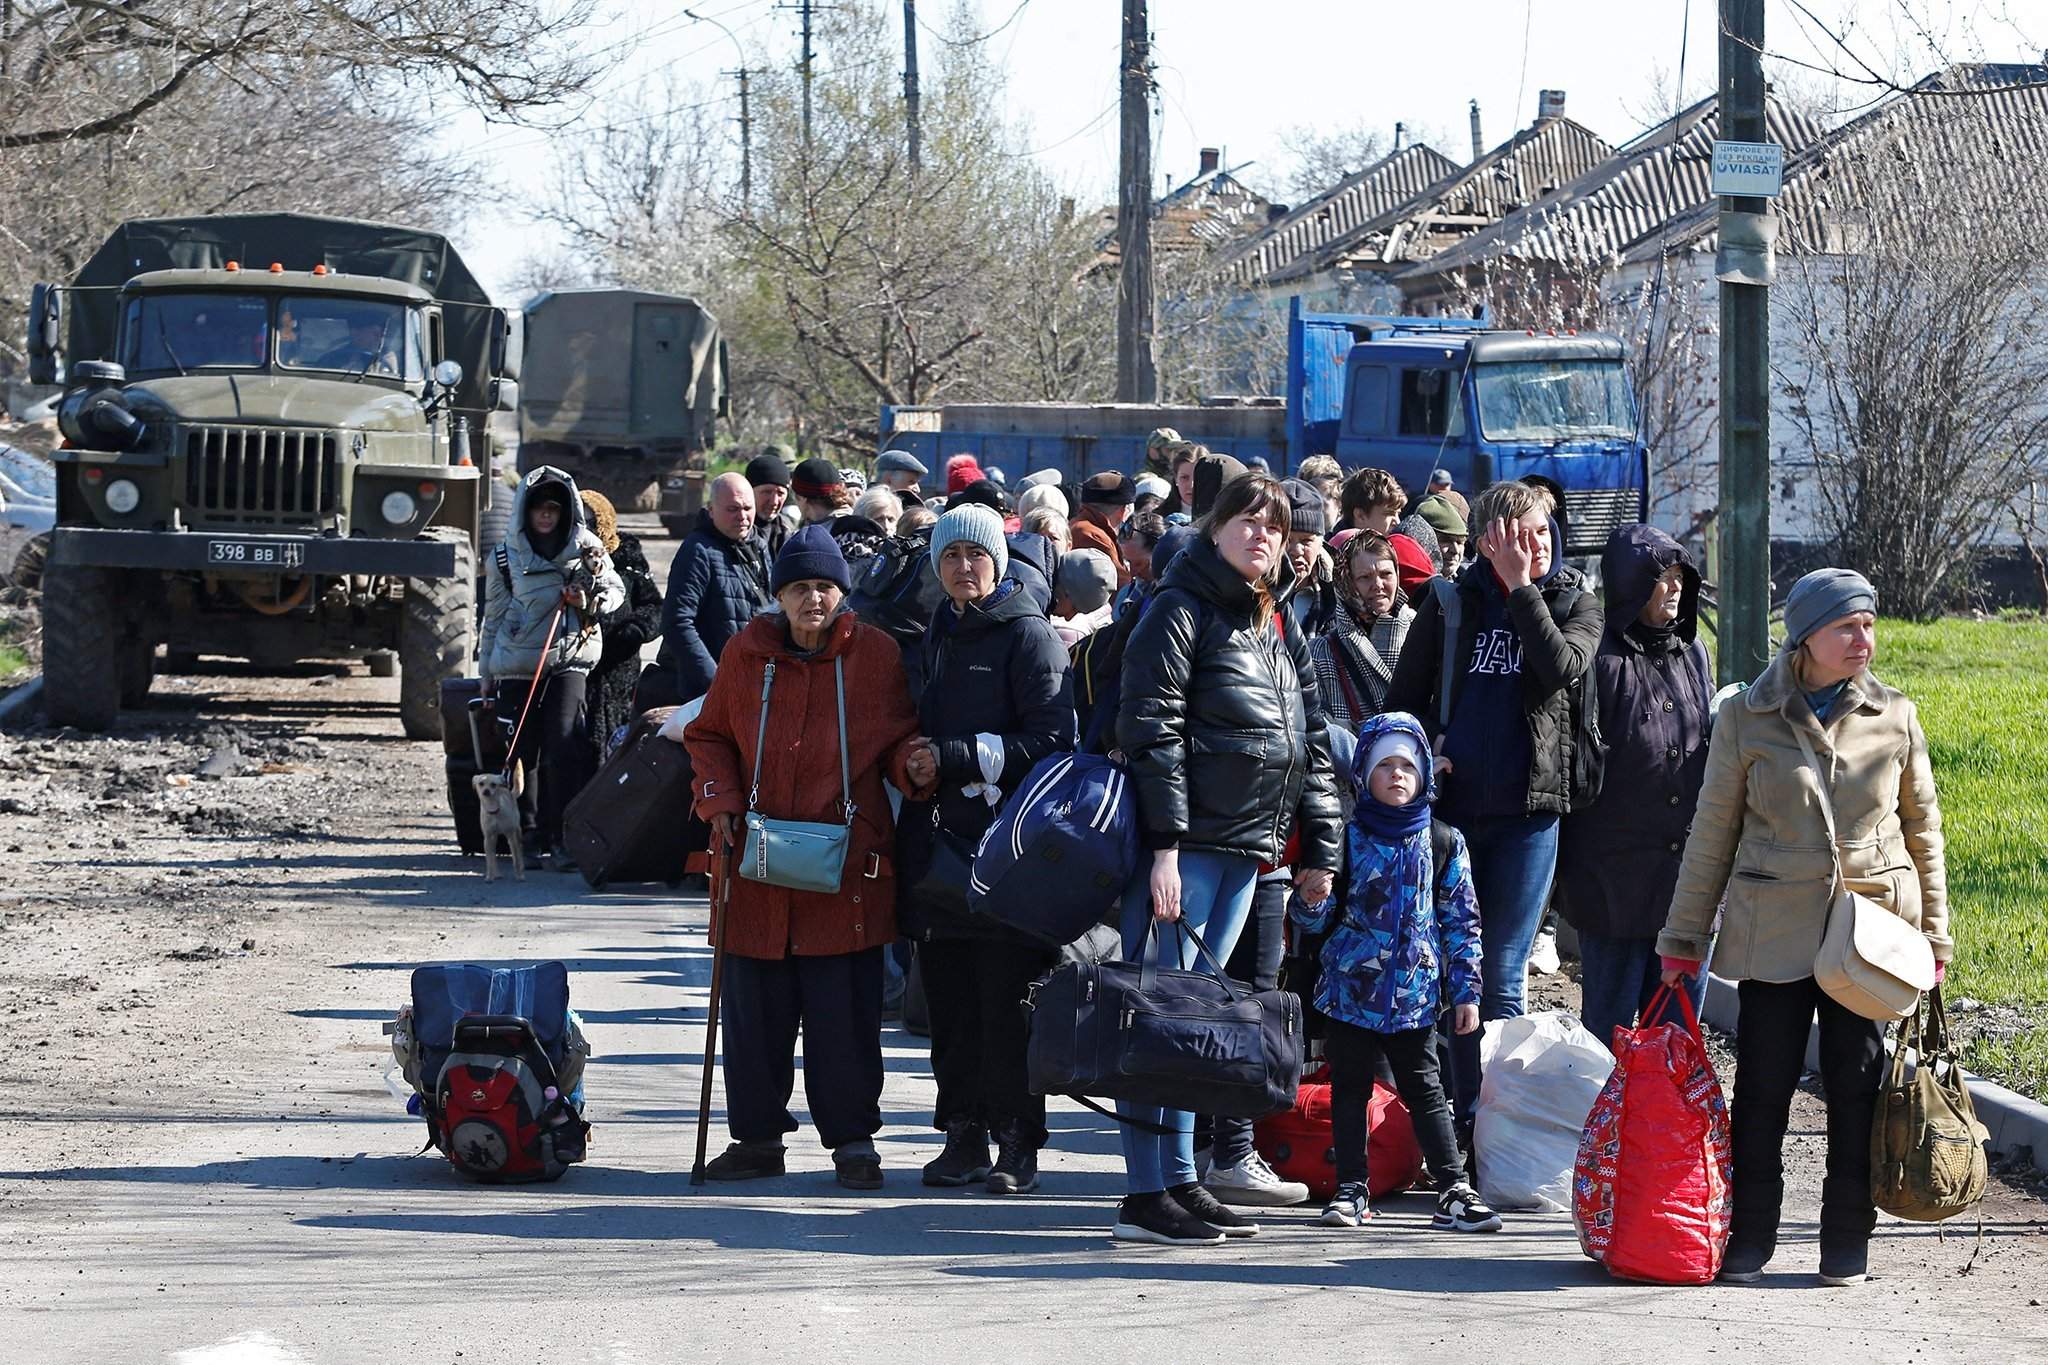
{"x":1137,"y":370}
{"x":910,"y":85}
{"x":1744,"y":270}
{"x":746,"y":148}
{"x":805,"y":7}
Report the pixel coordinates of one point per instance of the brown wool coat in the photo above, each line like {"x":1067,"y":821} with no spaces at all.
{"x":1759,"y":834}
{"x":800,"y":778}
{"x":1093,"y":535}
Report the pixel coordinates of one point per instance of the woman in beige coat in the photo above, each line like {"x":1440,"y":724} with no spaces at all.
{"x":1760,"y":836}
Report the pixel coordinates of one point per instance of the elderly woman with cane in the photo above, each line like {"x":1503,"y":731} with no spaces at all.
{"x":808,"y":712}
{"x":1817,"y":772}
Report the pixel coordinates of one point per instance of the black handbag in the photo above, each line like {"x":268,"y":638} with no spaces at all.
{"x":1195,"y":1041}
{"x":938,"y":881}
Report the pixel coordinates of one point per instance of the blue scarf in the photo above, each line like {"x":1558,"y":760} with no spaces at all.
{"x":1391,"y":824}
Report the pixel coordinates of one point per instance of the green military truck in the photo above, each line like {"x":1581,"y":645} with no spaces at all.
{"x":274,"y":437}
{"x":624,"y":389}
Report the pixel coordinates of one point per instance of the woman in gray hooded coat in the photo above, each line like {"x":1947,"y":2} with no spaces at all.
{"x":550,"y":562}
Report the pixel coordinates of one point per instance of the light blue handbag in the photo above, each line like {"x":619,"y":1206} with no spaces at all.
{"x":798,"y":854}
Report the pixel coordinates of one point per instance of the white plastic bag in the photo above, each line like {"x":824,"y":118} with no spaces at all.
{"x":1542,"y":1074}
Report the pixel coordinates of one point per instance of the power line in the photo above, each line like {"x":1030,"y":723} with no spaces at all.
{"x":1015,"y":14}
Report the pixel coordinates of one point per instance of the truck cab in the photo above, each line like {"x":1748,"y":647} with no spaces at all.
{"x":1491,"y":405}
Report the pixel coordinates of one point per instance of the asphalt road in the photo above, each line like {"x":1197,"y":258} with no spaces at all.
{"x":232,"y":1182}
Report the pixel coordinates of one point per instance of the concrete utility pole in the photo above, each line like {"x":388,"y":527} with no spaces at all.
{"x":910,"y":85}
{"x":1744,"y":627}
{"x":746,"y":148}
{"x":1137,"y":367}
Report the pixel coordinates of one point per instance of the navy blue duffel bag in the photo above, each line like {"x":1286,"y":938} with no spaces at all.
{"x":1058,"y":858}
{"x":1161,"y":1036}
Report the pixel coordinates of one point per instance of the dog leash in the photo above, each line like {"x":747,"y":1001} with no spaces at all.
{"x":532,"y":691}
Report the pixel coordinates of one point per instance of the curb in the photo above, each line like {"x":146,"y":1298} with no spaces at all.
{"x":20,"y":698}
{"x":2015,"y":1121}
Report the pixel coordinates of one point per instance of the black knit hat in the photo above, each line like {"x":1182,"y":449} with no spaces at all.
{"x":767,"y":469}
{"x":811,"y":553}
{"x":1308,"y":511}
{"x":1109,"y":489}
{"x":816,"y":478}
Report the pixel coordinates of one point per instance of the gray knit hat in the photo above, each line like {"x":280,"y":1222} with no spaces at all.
{"x":977,"y":524}
{"x":1822,"y":596}
{"x":1087,"y":578}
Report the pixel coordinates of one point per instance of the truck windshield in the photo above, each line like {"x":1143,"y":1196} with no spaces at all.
{"x":362,"y":336}
{"x":1552,"y":400}
{"x":194,"y":331}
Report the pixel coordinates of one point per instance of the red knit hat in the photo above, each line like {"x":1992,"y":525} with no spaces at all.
{"x":1412,"y":563}
{"x":962,"y":470}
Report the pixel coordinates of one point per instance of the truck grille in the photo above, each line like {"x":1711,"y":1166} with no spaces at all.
{"x":261,"y":475}
{"x":1593,"y":514}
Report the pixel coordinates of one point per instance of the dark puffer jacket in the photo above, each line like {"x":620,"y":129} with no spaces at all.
{"x":1619,"y":861}
{"x":1556,"y":627}
{"x":715,"y":586}
{"x":610,"y":695}
{"x":1228,"y":747}
{"x":995,"y":669}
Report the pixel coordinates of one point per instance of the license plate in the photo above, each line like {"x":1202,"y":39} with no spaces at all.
{"x":255,"y":554}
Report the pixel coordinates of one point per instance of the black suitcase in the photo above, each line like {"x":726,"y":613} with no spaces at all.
{"x":632,"y":823}
{"x":456,"y":695}
{"x":463,"y":805}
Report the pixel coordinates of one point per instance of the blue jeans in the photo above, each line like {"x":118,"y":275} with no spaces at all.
{"x":1514,"y":860}
{"x":1617,"y":977}
{"x":1215,"y":899}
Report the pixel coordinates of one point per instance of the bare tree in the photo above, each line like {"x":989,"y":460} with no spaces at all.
{"x":1918,"y":378}
{"x":1319,"y":157}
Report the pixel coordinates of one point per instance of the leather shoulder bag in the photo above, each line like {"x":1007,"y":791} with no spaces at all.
{"x":1927,"y":1157}
{"x":1871,"y":962}
{"x":797,"y":854}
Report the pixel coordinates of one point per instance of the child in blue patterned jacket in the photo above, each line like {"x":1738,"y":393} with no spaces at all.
{"x":1403,"y":947}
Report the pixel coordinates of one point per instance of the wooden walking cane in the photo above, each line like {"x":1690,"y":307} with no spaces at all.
{"x":721,"y":895}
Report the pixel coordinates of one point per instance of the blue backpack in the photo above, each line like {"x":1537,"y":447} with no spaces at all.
{"x":1058,"y":857}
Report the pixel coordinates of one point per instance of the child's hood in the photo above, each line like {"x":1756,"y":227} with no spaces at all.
{"x":1378,"y":727}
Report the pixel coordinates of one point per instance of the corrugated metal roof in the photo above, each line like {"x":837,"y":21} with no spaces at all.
{"x":1351,"y":203}
{"x":1628,"y":197}
{"x":1999,"y":129}
{"x":1213,"y":209}
{"x":1535,"y":161}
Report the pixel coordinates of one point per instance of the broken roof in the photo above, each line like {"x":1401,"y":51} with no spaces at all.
{"x":1627,"y":198}
{"x":1358,"y":199}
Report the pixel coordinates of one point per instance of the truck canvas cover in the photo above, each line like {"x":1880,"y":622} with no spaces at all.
{"x":296,"y":242}
{"x":620,"y":367}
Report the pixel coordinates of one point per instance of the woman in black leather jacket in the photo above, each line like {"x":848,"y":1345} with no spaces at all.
{"x":1229,"y":756}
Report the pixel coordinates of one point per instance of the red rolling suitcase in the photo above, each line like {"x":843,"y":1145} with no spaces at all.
{"x":1297,"y":1145}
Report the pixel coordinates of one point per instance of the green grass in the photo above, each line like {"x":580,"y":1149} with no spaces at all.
{"x":1982,"y":690}
{"x":13,"y":660}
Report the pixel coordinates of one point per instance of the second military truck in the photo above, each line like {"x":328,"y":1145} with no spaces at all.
{"x":623,"y":389}
{"x":274,"y":426}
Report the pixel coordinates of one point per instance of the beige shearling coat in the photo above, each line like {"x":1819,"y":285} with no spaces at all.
{"x":1760,"y":836}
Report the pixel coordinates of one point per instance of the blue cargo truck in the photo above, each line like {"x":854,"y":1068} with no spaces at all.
{"x":1408,"y":395}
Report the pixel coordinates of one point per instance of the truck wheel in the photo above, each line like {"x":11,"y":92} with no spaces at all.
{"x":81,"y":648}
{"x":434,"y":634}
{"x":138,"y":666}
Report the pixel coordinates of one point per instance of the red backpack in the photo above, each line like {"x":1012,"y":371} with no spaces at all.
{"x":497,"y":1112}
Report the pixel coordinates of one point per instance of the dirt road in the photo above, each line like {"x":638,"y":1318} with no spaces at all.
{"x":205,"y":1165}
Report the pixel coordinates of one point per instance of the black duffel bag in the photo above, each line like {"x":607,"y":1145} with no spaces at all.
{"x":1195,"y":1041}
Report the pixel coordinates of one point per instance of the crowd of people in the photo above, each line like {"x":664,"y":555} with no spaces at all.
{"x":1374,"y":737}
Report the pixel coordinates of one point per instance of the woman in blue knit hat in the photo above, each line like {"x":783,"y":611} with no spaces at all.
{"x":997,"y":699}
{"x":1817,"y":768}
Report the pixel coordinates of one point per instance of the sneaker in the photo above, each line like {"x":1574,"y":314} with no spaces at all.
{"x":531,"y":859}
{"x":1349,"y":1207}
{"x":1159,"y":1219}
{"x":1843,"y":1266}
{"x":1204,"y":1206}
{"x":746,"y":1161}
{"x":1251,"y":1183}
{"x":1543,"y":954}
{"x":1016,"y":1168}
{"x":965,"y":1159}
{"x":561,"y":860}
{"x":1744,"y":1262}
{"x":1460,"y":1209}
{"x":857,"y":1165}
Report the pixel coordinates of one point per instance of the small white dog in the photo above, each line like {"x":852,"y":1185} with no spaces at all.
{"x":497,"y":800}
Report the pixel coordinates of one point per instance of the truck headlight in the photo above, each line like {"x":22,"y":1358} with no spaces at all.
{"x":123,"y":497}
{"x":399,"y":508}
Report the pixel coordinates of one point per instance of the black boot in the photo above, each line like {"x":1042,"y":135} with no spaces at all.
{"x":965,"y":1159}
{"x":1016,"y":1168}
